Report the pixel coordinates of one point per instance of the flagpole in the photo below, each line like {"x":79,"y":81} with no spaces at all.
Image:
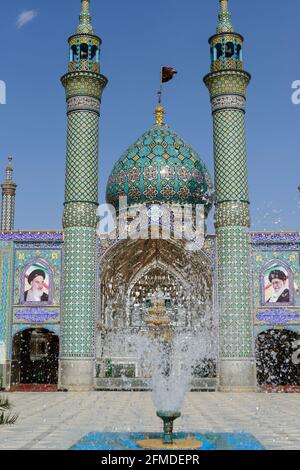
{"x":159,"y":111}
{"x":161,"y":86}
{"x":166,"y":74}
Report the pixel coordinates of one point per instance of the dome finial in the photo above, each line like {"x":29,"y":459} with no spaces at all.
{"x":159,"y":111}
{"x":85,"y":19}
{"x":225,"y":24}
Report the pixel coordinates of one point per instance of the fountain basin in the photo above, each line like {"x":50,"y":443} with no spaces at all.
{"x":168,"y":418}
{"x":207,"y":441}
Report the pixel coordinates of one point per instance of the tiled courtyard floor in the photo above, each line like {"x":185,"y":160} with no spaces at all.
{"x":59,"y":420}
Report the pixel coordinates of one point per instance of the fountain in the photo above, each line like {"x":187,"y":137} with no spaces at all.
{"x":161,"y":330}
{"x":168,"y":420}
{"x":168,"y":440}
{"x":160,"y":348}
{"x":172,"y":355}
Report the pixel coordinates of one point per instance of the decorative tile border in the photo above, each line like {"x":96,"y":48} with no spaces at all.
{"x":278,"y":316}
{"x":35,"y":315}
{"x":38,"y":245}
{"x":76,"y":103}
{"x":5,"y":296}
{"x":32,"y":236}
{"x":291,"y":237}
{"x":17,"y":328}
{"x":57,"y":236}
{"x":228,"y":101}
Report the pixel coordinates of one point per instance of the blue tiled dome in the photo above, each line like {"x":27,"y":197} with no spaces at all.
{"x":160,"y":167}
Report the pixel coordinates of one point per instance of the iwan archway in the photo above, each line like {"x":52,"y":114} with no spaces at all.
{"x":35,"y":354}
{"x":277,"y":360}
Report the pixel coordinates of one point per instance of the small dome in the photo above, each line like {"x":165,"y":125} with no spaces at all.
{"x":160,"y":168}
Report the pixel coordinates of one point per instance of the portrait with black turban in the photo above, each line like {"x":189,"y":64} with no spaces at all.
{"x":279,"y":285}
{"x":38,"y":289}
{"x":277,"y":274}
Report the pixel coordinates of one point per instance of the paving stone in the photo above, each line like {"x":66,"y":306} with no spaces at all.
{"x":57,"y":421}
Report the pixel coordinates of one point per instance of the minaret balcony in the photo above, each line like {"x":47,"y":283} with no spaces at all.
{"x":226,"y":52}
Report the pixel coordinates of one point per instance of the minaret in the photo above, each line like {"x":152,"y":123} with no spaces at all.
{"x":84,"y":85}
{"x":227,"y":84}
{"x":8,"y":199}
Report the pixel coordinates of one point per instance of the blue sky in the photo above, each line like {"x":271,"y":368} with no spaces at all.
{"x":138,"y":37}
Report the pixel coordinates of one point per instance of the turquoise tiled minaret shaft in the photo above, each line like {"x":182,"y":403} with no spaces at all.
{"x":8,"y":198}
{"x":227,"y":84}
{"x":84,"y":85}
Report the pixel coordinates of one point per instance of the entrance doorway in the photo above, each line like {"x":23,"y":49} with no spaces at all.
{"x":35,"y":358}
{"x":277,"y":356}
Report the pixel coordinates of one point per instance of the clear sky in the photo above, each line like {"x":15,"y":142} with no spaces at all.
{"x":139,"y":36}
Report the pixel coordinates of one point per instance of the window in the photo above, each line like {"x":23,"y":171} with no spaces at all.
{"x":212,"y":54}
{"x":239,"y":52}
{"x":219,"y":49}
{"x":84,"y":52}
{"x":94,"y":54}
{"x":38,"y":346}
{"x":74,"y":54}
{"x":229,"y":50}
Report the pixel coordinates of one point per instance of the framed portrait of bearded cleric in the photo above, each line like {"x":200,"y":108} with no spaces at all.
{"x":277,"y":285}
{"x":37,"y":284}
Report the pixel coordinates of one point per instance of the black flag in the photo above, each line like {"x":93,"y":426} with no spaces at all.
{"x":167,"y":73}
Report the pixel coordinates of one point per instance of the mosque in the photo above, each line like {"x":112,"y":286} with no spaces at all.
{"x":63,"y":292}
